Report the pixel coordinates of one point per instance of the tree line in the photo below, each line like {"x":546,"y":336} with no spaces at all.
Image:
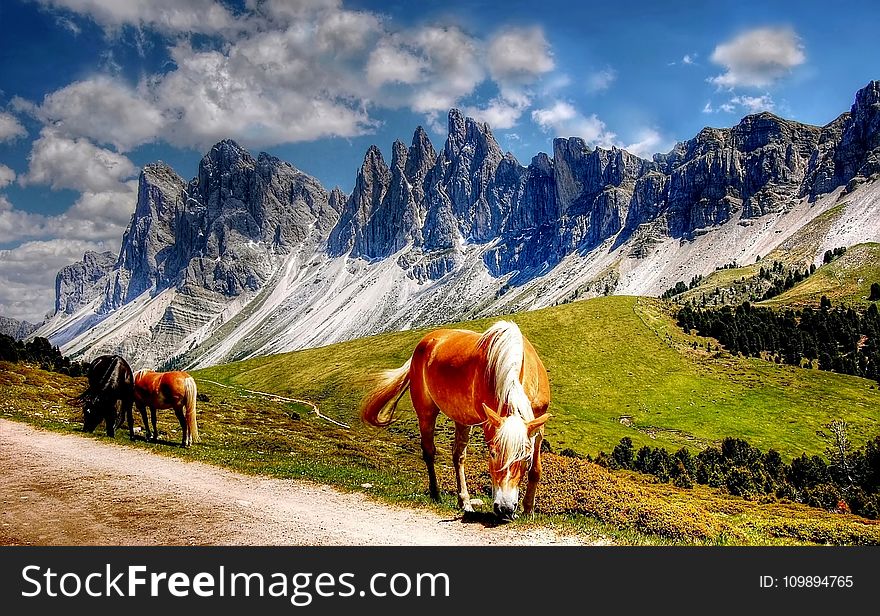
{"x":41,"y":352}
{"x":836,"y":339}
{"x":845,"y":480}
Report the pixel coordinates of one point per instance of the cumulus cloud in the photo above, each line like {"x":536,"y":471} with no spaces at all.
{"x":61,"y":162}
{"x":27,"y":274}
{"x":389,"y":63}
{"x":519,"y":53}
{"x":16,"y":225}
{"x":202,"y":16}
{"x":689,"y":58}
{"x":754,"y":104}
{"x":93,"y":217}
{"x":499,"y":114}
{"x":103,"y":109}
{"x":757,"y":58}
{"x":286,"y":71}
{"x":562,"y":120}
{"x":601,"y":80}
{"x":7,"y":176}
{"x":10,"y":127}
{"x":745,"y":104}
{"x":648,"y":142}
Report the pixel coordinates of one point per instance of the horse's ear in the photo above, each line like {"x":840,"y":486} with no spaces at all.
{"x":536,"y":424}
{"x":493,"y":417}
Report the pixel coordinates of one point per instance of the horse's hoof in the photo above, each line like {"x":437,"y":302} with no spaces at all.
{"x":476,"y":502}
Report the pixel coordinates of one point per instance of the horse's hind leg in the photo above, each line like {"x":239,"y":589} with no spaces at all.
{"x":153,"y":417}
{"x":459,"y":454}
{"x":185,"y":440}
{"x":427,"y":412}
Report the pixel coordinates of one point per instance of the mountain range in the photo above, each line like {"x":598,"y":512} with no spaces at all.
{"x":253,"y":256}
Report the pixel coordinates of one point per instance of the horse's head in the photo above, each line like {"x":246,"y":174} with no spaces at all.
{"x":511,"y":442}
{"x":91,"y":416}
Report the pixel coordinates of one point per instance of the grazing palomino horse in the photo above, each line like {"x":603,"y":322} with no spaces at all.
{"x":495,"y":380}
{"x":109,"y":395}
{"x":167,"y":390}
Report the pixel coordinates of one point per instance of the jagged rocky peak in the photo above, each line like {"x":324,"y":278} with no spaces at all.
{"x":76,"y":285}
{"x":468,"y":136}
{"x":15,"y":328}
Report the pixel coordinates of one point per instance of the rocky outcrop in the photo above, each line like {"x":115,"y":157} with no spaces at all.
{"x":15,"y":328}
{"x":849,"y":147}
{"x":78,"y":284}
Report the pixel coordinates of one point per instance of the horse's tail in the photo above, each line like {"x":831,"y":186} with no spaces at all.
{"x":189,"y":408}
{"x":380,"y":404}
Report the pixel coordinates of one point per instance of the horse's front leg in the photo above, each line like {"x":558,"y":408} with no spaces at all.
{"x":129,"y":416}
{"x":142,"y":409}
{"x":534,"y":476}
{"x":459,"y":455}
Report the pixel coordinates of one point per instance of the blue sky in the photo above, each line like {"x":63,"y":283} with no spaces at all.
{"x":91,"y":90}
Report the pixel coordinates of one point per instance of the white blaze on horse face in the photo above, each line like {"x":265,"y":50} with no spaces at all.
{"x":511,"y":449}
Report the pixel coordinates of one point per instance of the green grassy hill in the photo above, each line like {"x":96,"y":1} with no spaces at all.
{"x":618,"y":367}
{"x":846,"y":280}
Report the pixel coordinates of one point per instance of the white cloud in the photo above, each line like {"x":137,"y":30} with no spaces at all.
{"x":562,"y":120}
{"x":517,"y":54}
{"x":746,"y":104}
{"x":104,"y":110}
{"x":499,"y":114}
{"x":389,"y":63}
{"x":648,"y":142}
{"x":203,"y":16}
{"x":7,"y":176}
{"x":601,"y":80}
{"x":17,"y":224}
{"x":284,"y":71}
{"x":755,"y":104}
{"x":27,"y":275}
{"x":757,"y":57}
{"x":93,"y":217}
{"x":10,"y":127}
{"x":689,"y":58}
{"x":61,"y":162}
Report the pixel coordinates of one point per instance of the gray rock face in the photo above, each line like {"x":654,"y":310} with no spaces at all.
{"x":15,"y":328}
{"x":849,"y":147}
{"x":76,"y":285}
{"x":227,"y":231}
{"x":219,"y":231}
{"x":537,"y":215}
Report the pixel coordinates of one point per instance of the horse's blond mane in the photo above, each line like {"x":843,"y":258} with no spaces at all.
{"x":504,"y":363}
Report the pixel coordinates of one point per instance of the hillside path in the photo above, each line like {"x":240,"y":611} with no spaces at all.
{"x":63,"y":489}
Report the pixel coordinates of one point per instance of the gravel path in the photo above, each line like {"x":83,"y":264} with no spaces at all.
{"x":60,"y":489}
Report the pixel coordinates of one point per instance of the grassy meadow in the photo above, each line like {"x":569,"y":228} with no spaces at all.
{"x":618,"y":367}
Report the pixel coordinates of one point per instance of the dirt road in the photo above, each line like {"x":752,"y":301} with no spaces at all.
{"x":68,"y":490}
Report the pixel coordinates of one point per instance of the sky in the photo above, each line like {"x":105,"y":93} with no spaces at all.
{"x":92,"y":90}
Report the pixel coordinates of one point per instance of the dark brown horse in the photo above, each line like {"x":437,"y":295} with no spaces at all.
{"x":109,"y":396}
{"x":495,"y":380}
{"x":167,"y":390}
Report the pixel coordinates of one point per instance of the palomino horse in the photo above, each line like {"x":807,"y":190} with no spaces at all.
{"x":167,"y":390}
{"x":495,"y":380}
{"x":111,"y":385}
